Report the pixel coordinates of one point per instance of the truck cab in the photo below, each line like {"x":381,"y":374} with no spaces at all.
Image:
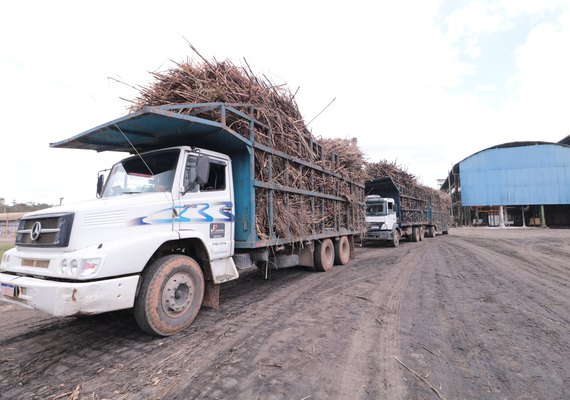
{"x":88,"y":258}
{"x":380,"y":213}
{"x":381,"y":218}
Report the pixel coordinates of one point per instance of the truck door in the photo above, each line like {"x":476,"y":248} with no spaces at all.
{"x":208,"y":209}
{"x":391,"y":218}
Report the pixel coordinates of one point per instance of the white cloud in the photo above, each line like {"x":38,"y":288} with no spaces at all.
{"x":396,"y":73}
{"x":542,"y":82}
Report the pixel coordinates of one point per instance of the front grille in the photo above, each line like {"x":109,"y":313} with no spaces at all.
{"x":51,"y":230}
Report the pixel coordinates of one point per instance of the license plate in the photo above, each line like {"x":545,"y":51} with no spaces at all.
{"x":375,"y":227}
{"x":6,"y":289}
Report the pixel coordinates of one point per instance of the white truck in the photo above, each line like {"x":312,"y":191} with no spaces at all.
{"x":391,"y":215}
{"x":170,"y":224}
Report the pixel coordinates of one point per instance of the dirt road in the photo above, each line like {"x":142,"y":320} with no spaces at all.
{"x":476,"y":314}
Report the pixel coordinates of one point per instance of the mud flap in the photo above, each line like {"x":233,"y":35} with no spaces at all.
{"x":211,"y":295}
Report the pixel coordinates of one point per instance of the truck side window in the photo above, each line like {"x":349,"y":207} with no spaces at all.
{"x":217,"y":177}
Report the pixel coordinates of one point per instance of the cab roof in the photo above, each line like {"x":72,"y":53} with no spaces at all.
{"x":156,"y":127}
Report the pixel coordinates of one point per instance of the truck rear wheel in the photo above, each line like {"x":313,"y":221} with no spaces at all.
{"x":422,"y":233}
{"x":431,"y":231}
{"x":342,"y":251}
{"x":170,"y":295}
{"x":324,"y":255}
{"x":415,"y":234}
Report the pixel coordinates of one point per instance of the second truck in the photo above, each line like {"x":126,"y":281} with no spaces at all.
{"x":391,"y":215}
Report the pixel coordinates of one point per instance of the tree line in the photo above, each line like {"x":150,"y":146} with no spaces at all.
{"x":21,"y":207}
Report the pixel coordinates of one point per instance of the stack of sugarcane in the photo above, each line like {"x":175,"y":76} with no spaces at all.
{"x":283,"y":129}
{"x":415,"y":196}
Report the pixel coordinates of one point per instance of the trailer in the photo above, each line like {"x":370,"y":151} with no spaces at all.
{"x":197,"y":201}
{"x":391,"y":215}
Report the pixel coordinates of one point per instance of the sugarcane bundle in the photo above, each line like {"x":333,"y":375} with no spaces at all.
{"x":281,"y":128}
{"x":408,"y":186}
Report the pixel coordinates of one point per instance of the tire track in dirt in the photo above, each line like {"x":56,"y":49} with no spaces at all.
{"x":374,"y":345}
{"x":516,"y":294}
{"x":444,"y":306}
{"x":548,"y":292}
{"x":483,"y":348}
{"x":322,"y":303}
{"x":554,"y":266}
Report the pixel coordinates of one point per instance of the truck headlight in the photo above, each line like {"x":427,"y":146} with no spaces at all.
{"x":89,"y":266}
{"x":81,"y":267}
{"x":73,"y":266}
{"x":63,"y":267}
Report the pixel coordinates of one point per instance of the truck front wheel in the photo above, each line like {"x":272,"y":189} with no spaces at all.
{"x":395,"y":239}
{"x":324,"y":255}
{"x":170,"y":295}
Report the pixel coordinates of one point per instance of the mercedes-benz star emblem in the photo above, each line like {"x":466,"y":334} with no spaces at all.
{"x":36,"y":231}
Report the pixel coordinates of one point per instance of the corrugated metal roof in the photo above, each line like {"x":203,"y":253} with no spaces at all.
{"x":517,"y":174}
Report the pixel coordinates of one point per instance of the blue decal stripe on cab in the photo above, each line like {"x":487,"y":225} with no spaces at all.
{"x":154,"y":218}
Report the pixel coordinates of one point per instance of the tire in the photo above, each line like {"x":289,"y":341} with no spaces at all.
{"x":431,"y":231}
{"x":395,"y":239}
{"x":324,"y":255}
{"x":422,"y":233}
{"x":415,"y":234}
{"x":170,"y":295}
{"x":342,"y":251}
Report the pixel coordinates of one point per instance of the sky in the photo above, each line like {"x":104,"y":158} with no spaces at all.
{"x":423,"y":83}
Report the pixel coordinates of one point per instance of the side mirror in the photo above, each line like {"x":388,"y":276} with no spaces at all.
{"x":100,"y":179}
{"x":202,"y":169}
{"x":196,"y":172}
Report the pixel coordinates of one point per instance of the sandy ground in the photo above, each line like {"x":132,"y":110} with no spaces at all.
{"x":476,"y":314}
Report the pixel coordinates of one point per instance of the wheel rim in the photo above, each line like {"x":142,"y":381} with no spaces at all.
{"x":177,"y":295}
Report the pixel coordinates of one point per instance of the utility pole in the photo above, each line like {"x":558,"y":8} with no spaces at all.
{"x":501,"y":217}
{"x":2,"y":203}
{"x":542,"y":218}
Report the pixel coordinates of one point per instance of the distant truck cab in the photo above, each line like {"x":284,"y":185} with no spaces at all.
{"x":380,"y":213}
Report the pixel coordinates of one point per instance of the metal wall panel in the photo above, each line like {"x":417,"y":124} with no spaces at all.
{"x":529,"y":175}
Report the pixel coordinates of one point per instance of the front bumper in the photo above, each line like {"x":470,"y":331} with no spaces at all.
{"x":378,"y":235}
{"x":69,"y":298}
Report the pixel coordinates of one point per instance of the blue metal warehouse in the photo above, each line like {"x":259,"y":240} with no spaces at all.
{"x":520,"y":183}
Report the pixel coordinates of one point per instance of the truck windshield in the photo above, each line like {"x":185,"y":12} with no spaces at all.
{"x":132,"y":175}
{"x":375,"y":209}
